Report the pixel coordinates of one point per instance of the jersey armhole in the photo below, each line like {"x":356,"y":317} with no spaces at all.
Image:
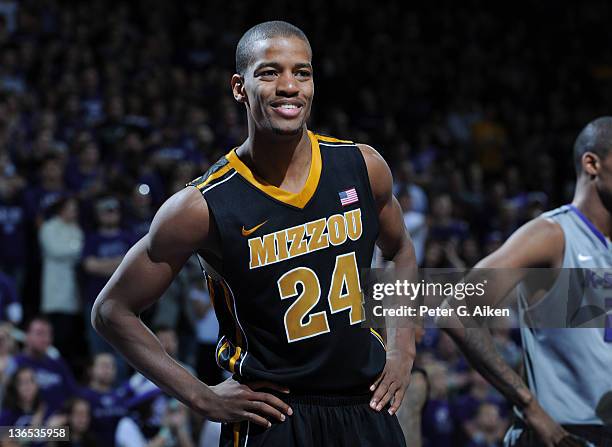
{"x":564,"y":253}
{"x":544,"y":300}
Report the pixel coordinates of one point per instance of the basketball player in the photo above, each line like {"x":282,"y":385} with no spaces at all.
{"x":282,"y":224}
{"x":568,"y":370}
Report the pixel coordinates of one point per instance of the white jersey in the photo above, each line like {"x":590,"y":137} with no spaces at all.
{"x":569,"y":370}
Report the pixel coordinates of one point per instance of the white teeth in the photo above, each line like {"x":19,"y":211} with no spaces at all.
{"x":288,"y":106}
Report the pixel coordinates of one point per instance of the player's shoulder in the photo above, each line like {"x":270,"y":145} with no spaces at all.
{"x":369,"y":154}
{"x":182,"y":220}
{"x":557,"y":213}
{"x":333,"y":141}
{"x":538,"y":243}
{"x":372,"y":157}
{"x":379,"y":173}
{"x":543,"y":230}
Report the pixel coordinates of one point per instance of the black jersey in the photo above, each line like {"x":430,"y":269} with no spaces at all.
{"x":287,"y":292}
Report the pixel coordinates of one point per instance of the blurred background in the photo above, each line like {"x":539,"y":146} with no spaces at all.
{"x":107,"y":108}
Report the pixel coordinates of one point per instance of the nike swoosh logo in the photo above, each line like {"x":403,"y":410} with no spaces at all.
{"x":252,"y":230}
{"x":584,"y":258}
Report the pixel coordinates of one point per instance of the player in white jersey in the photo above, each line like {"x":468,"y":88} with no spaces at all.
{"x":569,"y":371}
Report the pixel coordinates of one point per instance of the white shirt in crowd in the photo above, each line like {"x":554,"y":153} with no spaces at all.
{"x":61,"y":245}
{"x":207,"y":327}
{"x":416,"y":224}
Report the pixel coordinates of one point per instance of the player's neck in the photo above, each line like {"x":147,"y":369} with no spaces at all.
{"x":589,"y":203}
{"x":282,"y":161}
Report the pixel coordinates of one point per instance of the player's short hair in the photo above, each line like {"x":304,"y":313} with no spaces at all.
{"x":265,"y":30}
{"x":596,"y":137}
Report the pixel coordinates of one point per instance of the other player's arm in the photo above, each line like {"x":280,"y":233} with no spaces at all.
{"x":396,"y":246}
{"x":181,"y":227}
{"x":537,"y":244}
{"x":410,"y":413}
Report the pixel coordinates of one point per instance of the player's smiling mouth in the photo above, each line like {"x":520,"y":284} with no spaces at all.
{"x":287,"y":108}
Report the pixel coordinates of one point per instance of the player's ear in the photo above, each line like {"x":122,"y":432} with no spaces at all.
{"x":590,"y":163}
{"x":238,"y":90}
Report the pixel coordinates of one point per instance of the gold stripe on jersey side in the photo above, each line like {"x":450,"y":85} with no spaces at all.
{"x":211,"y":290}
{"x":332,"y":139}
{"x":215,"y":175}
{"x":236,"y":434}
{"x":224,"y":346}
{"x":235,"y":357}
{"x":379,"y":337}
{"x":228,"y":301}
{"x":299,"y":199}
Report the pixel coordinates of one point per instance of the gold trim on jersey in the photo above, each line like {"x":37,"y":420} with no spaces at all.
{"x":299,"y":199}
{"x":234,"y":359}
{"x":379,"y":338}
{"x":211,"y":290}
{"x":215,"y":175}
{"x":332,"y":139}
{"x":236,"y":434}
{"x":237,"y":349}
{"x":224,"y":346}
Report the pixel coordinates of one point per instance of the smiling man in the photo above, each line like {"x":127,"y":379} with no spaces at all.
{"x":281,"y":224}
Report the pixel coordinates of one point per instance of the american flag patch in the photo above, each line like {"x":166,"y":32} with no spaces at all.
{"x":349,"y":196}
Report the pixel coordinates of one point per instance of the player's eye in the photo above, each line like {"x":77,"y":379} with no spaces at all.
{"x":303,"y":74}
{"x":266,"y":74}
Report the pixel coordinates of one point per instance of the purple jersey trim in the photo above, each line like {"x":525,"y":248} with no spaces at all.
{"x":589,"y":224}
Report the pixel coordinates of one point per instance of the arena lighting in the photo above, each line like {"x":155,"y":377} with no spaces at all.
{"x":144,"y":189}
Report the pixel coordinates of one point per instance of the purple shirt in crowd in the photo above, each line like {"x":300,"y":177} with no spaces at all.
{"x":53,"y":376}
{"x":103,"y":246}
{"x":8,"y":299}
{"x":38,"y":200}
{"x":466,"y":407}
{"x":78,"y":181}
{"x":106,"y":411}
{"x":12,"y":233}
{"x":438,"y":425}
{"x":18,"y":418}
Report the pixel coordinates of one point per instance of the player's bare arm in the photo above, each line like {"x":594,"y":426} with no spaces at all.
{"x":396,"y":246}
{"x":181,"y":227}
{"x":410,"y":413}
{"x":539,"y":243}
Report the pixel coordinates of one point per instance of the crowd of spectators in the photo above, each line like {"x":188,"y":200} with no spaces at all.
{"x":107,"y":108}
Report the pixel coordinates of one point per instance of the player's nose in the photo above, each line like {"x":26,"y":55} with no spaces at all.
{"x":287,"y":85}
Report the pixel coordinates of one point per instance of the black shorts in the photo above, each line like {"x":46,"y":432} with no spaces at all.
{"x":345,"y":421}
